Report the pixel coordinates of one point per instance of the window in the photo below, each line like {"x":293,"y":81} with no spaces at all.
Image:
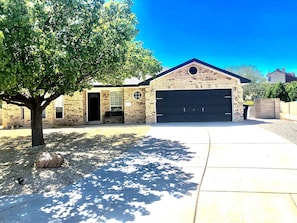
{"x":137,"y":95}
{"x":43,"y":114}
{"x":193,"y":70}
{"x":22,"y":113}
{"x":116,"y":101}
{"x":59,"y":107}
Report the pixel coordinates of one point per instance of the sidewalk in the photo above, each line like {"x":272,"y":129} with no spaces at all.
{"x":251,"y":176}
{"x":212,"y":172}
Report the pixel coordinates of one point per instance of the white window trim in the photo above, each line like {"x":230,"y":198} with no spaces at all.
{"x":119,"y":105}
{"x":141,"y":95}
{"x":22,"y":113}
{"x":59,"y":104}
{"x":45,"y":114}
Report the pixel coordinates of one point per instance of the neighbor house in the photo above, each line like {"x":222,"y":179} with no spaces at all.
{"x":281,"y":76}
{"x":190,"y":92}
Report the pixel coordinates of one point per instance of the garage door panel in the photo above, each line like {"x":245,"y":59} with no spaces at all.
{"x":171,"y":118}
{"x":217,"y":118}
{"x":193,"y":118}
{"x":218,"y":108}
{"x":170,"y":108}
{"x":194,"y":105}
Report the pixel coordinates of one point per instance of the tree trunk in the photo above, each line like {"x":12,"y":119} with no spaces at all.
{"x":36,"y":126}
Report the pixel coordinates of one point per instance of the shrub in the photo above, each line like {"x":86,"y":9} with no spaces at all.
{"x":291,"y":88}
{"x":278,"y":90}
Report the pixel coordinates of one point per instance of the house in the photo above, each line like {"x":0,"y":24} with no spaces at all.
{"x":281,"y":76}
{"x":194,"y":91}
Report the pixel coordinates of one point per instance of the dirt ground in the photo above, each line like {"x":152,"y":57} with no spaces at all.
{"x":83,"y":149}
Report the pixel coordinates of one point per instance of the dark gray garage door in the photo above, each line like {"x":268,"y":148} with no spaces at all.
{"x":194,"y":105}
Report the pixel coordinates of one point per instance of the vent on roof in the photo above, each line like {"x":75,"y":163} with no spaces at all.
{"x":193,"y":70}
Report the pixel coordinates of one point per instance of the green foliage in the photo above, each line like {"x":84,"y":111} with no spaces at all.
{"x":55,"y":47}
{"x":257,"y":88}
{"x":291,"y":88}
{"x":286,"y":92}
{"x":278,"y":90}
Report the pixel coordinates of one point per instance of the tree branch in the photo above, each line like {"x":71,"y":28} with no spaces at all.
{"x":17,"y":99}
{"x":51,"y":98}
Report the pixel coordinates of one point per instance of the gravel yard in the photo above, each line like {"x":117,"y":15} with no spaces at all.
{"x":84,"y":150}
{"x":284,"y":128}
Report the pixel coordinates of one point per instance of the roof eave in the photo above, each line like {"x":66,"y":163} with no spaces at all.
{"x":242,"y":79}
{"x":115,"y":86}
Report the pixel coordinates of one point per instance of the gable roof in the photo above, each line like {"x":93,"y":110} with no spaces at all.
{"x":133,"y":82}
{"x":289,"y":77}
{"x":242,"y":79}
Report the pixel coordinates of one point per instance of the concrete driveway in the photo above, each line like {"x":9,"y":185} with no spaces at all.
{"x":211,"y":172}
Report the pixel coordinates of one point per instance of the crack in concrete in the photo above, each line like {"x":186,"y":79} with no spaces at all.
{"x":293,"y":200}
{"x":203,"y":174}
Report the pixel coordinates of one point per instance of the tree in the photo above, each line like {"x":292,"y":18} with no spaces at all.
{"x":56,"y":47}
{"x":278,"y":90}
{"x":291,"y":89}
{"x":257,"y":88}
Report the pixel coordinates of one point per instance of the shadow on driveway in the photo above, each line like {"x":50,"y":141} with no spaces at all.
{"x":120,"y":190}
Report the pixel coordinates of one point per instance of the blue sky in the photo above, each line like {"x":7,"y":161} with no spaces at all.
{"x":225,"y":33}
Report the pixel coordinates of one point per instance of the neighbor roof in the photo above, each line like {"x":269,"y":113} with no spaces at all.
{"x":289,"y":77}
{"x":242,"y":79}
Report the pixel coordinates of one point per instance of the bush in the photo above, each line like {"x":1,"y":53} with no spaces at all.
{"x":291,"y":89}
{"x":278,"y":91}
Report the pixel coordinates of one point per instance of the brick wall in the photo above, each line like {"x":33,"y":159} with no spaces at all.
{"x":134,"y":109}
{"x":73,"y":110}
{"x":206,"y":79}
{"x":11,"y":116}
{"x":73,"y":113}
{"x":0,"y":116}
{"x":105,"y":102}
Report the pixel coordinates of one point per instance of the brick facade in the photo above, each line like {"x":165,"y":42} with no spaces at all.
{"x":141,"y":110}
{"x":74,"y":110}
{"x":180,"y":79}
{"x":74,"y":113}
{"x":0,"y":116}
{"x":134,"y":109}
{"x":12,"y":115}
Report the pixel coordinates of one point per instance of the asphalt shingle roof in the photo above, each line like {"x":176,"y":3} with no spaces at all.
{"x":242,"y":79}
{"x":136,"y":82}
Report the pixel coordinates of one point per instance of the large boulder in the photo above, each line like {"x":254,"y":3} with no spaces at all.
{"x":48,"y":160}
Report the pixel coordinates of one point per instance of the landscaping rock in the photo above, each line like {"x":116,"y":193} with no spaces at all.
{"x":48,"y":160}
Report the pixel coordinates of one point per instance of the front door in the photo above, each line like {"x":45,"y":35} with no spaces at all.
{"x":93,"y":106}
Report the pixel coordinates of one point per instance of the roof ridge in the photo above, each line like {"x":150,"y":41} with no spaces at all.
{"x":242,"y":79}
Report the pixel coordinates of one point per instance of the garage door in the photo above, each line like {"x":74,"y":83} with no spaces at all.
{"x":194,"y":105}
